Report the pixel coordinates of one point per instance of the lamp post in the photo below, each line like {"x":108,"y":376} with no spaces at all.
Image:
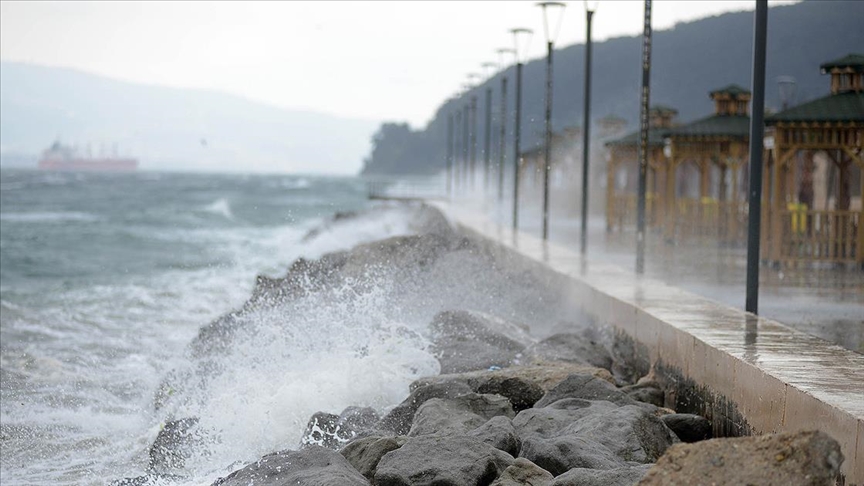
{"x":489,"y":67}
{"x":465,"y":133}
{"x":503,"y":124}
{"x":521,"y":38}
{"x":643,"y":140}
{"x":473,"y":140}
{"x":590,"y":8}
{"x":551,"y":11}
{"x":449,"y":155}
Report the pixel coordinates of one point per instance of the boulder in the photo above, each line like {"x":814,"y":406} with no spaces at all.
{"x":586,"y":387}
{"x":333,"y":431}
{"x":524,"y":473}
{"x":570,"y":347}
{"x":552,"y":420}
{"x":440,"y":461}
{"x":398,"y":421}
{"x":459,"y":415}
{"x":312,"y":466}
{"x":807,"y":458}
{"x":646,"y":392}
{"x":365,"y":453}
{"x":520,"y":392}
{"x":467,"y":341}
{"x":560,"y":454}
{"x":500,"y":434}
{"x":173,"y":446}
{"x":688,"y":427}
{"x":621,"y":476}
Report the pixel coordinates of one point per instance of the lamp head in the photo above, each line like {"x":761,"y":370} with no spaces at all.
{"x":591,"y":5}
{"x":521,"y":40}
{"x":553,"y":13}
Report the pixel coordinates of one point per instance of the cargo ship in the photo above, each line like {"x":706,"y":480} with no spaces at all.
{"x":64,"y":158}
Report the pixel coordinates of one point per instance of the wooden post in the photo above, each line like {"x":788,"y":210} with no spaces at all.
{"x":671,"y":180}
{"x":610,"y":189}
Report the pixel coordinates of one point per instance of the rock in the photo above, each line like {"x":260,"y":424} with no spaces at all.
{"x":523,"y":473}
{"x":632,"y":433}
{"x":552,"y":420}
{"x":808,"y":458}
{"x":688,"y":427}
{"x":570,"y":347}
{"x":313,"y":466}
{"x":321,"y":431}
{"x":459,"y":415}
{"x":586,"y":387}
{"x":147,"y":480}
{"x":500,"y":434}
{"x":520,"y":392}
{"x":646,"y":393}
{"x":467,"y":341}
{"x":173,"y":446}
{"x":546,"y":375}
{"x":622,"y":476}
{"x":560,"y":454}
{"x":433,"y":460}
{"x":364,"y":454}
{"x":354,"y":421}
{"x":398,"y":421}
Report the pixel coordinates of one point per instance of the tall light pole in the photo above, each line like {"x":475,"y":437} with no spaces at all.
{"x":521,"y":38}
{"x":552,"y":11}
{"x":489,"y":68}
{"x":465,"y":134}
{"x":472,"y":78}
{"x":503,"y":123}
{"x":643,"y":140}
{"x":449,"y":155}
{"x":590,"y":8}
{"x":457,"y":148}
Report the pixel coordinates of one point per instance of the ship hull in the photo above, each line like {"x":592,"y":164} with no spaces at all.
{"x":89,"y":165}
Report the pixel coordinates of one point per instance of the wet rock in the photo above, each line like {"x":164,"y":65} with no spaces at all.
{"x":313,"y":466}
{"x":560,"y":454}
{"x":500,"y":434}
{"x":622,"y":476}
{"x":524,"y":473}
{"x":321,"y":431}
{"x":147,"y":480}
{"x":398,"y":421}
{"x":458,"y":415}
{"x":585,"y":387}
{"x":688,"y":427}
{"x":550,"y":421}
{"x":467,"y":341}
{"x":433,"y":460}
{"x":364,"y":454}
{"x":649,"y":392}
{"x":808,"y":458}
{"x":520,"y":392}
{"x":546,"y":375}
{"x":571,"y":347}
{"x":173,"y":446}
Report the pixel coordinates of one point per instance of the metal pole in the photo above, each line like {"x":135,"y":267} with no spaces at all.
{"x":643,"y":140}
{"x":757,"y":129}
{"x":502,"y":139}
{"x":547,"y":160}
{"x":517,"y":157}
{"x":465,"y":113}
{"x":449,"y":160}
{"x":487,"y":140}
{"x":457,"y":144}
{"x":473,"y":141}
{"x":586,"y":138}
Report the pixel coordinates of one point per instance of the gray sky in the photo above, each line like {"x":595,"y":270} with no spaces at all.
{"x":373,"y":60}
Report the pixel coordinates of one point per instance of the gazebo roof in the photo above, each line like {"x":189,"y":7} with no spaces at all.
{"x":854,"y":61}
{"x":840,"y":107}
{"x":733,"y":126}
{"x":655,"y":138}
{"x":732,"y":89}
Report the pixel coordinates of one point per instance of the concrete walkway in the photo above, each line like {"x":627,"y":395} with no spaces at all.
{"x":759,"y":375}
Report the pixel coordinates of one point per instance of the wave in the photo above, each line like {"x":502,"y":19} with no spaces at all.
{"x":49,"y":217}
{"x":221,"y":207}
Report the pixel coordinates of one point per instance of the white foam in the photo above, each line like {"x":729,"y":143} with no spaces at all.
{"x":49,"y":217}
{"x":221,"y":207}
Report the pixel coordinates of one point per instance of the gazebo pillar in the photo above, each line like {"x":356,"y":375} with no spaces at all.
{"x":611,"y":169}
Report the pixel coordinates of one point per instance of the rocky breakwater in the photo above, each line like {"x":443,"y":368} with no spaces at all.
{"x":514,"y":404}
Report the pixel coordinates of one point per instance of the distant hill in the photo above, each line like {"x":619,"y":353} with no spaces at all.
{"x":168,"y":128}
{"x":688,"y":61}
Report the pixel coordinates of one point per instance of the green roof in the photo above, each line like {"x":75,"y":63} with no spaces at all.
{"x":732,"y":89}
{"x":735,"y":126}
{"x":662,"y":109}
{"x":655,"y":138}
{"x":840,"y":107}
{"x":854,"y":61}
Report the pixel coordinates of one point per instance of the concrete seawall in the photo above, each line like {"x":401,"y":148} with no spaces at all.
{"x":750,"y":375}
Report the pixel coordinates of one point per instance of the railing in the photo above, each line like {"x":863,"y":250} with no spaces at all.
{"x":407,"y":188}
{"x":622,"y":212}
{"x":826,"y":236}
{"x":724,"y":221}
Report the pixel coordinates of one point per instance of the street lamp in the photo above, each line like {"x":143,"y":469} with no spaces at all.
{"x":489,"y":70}
{"x":503,"y":124}
{"x":590,"y":8}
{"x":552,"y":11}
{"x":521,"y":39}
{"x":473,"y":78}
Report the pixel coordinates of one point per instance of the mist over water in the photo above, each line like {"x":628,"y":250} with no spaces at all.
{"x":107,"y":280}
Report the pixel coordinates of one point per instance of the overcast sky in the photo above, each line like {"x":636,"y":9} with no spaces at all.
{"x":373,"y":60}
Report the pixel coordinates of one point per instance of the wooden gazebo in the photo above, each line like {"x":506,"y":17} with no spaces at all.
{"x":622,"y":172}
{"x":705,"y":164}
{"x":813,"y":211}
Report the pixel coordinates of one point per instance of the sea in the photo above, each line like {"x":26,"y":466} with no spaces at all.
{"x":105,"y":279}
